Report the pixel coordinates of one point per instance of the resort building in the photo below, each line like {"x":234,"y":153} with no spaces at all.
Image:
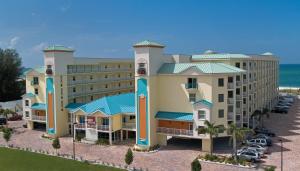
{"x":175,"y":94}
{"x":65,"y":81}
{"x":152,"y":97}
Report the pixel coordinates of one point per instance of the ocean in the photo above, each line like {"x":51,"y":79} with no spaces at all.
{"x":289,"y":75}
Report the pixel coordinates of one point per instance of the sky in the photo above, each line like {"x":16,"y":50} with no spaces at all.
{"x":102,"y":28}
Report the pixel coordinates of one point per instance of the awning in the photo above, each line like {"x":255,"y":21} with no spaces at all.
{"x":177,"y":116}
{"x":205,"y":102}
{"x":39,"y":106}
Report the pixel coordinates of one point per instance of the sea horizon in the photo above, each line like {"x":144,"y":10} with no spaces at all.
{"x":289,"y":75}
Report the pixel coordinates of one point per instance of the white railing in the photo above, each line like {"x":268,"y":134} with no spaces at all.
{"x":129,"y":125}
{"x":238,"y":83}
{"x":100,"y":81}
{"x":230,"y":85}
{"x":230,"y":116}
{"x":103,"y":127}
{"x":174,"y":131}
{"x":238,"y":97}
{"x":80,"y":126}
{"x":245,"y":81}
{"x":238,"y":110}
{"x":38,"y":118}
{"x":74,"y":71}
{"x":230,"y":101}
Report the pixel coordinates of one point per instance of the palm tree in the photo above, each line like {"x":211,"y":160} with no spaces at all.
{"x":213,"y":131}
{"x":256,"y":113}
{"x":238,"y":134}
{"x":5,"y":112}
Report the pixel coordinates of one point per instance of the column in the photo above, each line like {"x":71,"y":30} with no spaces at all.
{"x":121,"y":135}
{"x":206,"y":146}
{"x":110,"y":131}
{"x":126,"y":134}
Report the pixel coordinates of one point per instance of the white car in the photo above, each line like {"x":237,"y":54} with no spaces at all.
{"x":248,"y":155}
{"x":258,"y":147}
{"x":258,"y":141}
{"x":251,"y":149}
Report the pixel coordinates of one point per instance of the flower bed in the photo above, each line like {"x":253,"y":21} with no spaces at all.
{"x":226,"y":160}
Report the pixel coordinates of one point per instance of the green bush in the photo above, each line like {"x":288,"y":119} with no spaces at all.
{"x":7,"y":132}
{"x":56,"y":144}
{"x":79,"y":136}
{"x":102,"y":141}
{"x":129,"y":157}
{"x":195,"y":165}
{"x":270,"y":168}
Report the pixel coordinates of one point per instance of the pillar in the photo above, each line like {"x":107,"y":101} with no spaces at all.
{"x":206,"y":145}
{"x":162,"y":139}
{"x":126,"y":134}
{"x":30,"y":125}
{"x":110,"y":131}
{"x":121,"y":135}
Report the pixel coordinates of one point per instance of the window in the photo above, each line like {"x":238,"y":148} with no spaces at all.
{"x":27,"y":114}
{"x":91,"y":77}
{"x":238,"y":91}
{"x":192,"y":97}
{"x":238,"y":78}
{"x":132,"y":117}
{"x":74,"y":89}
{"x":221,"y":97}
{"x":119,"y":66}
{"x":238,"y":117}
{"x":106,"y":76}
{"x":237,"y":65}
{"x":74,"y":100}
{"x":91,"y":88}
{"x":92,"y":98}
{"x":244,"y":76}
{"x":74,"y":79}
{"x":192,"y":83}
{"x":230,"y":79}
{"x":35,"y":80}
{"x":221,"y":82}
{"x":221,"y":113}
{"x":119,"y":75}
{"x":244,"y":101}
{"x":36,"y":91}
{"x":141,"y":69}
{"x":26,"y":102}
{"x":105,"y":121}
{"x":130,"y":65}
{"x":106,"y":86}
{"x":130,"y":83}
{"x":230,"y":94}
{"x":119,"y":84}
{"x":130,"y":75}
{"x":201,"y":114}
{"x":49,"y":66}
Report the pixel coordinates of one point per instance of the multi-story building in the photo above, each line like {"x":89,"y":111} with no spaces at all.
{"x":176,"y":93}
{"x":66,"y":81}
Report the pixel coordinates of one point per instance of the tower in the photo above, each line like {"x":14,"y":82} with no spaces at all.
{"x":148,"y":59}
{"x":56,"y":59}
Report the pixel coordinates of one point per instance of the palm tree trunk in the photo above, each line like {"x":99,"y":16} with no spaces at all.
{"x":211,"y":145}
{"x":234,"y":146}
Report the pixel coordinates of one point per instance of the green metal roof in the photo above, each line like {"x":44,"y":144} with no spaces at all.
{"x":39,"y":106}
{"x":58,"y":48}
{"x":204,"y":102}
{"x":177,"y":116}
{"x":146,"y":43}
{"x":219,"y":56}
{"x":207,"y":68}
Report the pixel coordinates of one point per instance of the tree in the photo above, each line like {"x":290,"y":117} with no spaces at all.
{"x":195,"y":165}
{"x":213,"y":131}
{"x":5,"y":112}
{"x":10,"y":71}
{"x":238,"y":134}
{"x":56,"y":144}
{"x":129,"y":157}
{"x":7,"y":134}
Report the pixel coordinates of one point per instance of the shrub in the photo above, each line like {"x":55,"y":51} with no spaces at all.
{"x":56,"y":144}
{"x":195,"y":165}
{"x":102,"y":141}
{"x":79,"y":136}
{"x":7,"y":134}
{"x":270,"y":168}
{"x":129,"y":157}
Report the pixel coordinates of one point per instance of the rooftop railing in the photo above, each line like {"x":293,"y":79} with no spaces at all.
{"x":174,"y":131}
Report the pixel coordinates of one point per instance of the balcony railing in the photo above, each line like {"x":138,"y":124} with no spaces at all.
{"x":230,"y":101}
{"x":34,"y":83}
{"x":93,"y":126}
{"x":230,"y":85}
{"x":128,"y":125}
{"x":245,"y":119}
{"x":191,"y":86}
{"x":38,"y":118}
{"x":244,"y":93}
{"x":238,"y":97}
{"x":103,"y":127}
{"x":174,"y":131}
{"x":238,"y":83}
{"x":245,"y":81}
{"x":80,"y":126}
{"x":230,"y":116}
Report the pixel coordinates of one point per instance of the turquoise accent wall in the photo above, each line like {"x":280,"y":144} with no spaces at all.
{"x":142,"y":90}
{"x":50,"y":88}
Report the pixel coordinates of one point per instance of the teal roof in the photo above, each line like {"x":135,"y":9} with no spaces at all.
{"x":219,"y":56}
{"x":39,"y":69}
{"x":73,"y":106}
{"x":204,"y":102}
{"x":39,"y":106}
{"x":178,"y":116}
{"x":146,"y":43}
{"x":207,"y":68}
{"x":28,"y":95}
{"x":58,"y":48}
{"x":110,"y":105}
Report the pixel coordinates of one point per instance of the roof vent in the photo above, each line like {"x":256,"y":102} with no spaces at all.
{"x":210,"y":52}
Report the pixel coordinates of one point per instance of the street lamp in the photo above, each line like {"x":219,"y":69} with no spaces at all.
{"x":74,"y":123}
{"x":281,"y":154}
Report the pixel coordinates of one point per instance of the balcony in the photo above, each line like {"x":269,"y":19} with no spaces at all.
{"x":49,"y":71}
{"x":38,"y":118}
{"x":92,"y":126}
{"x":230,"y":116}
{"x":191,"y":86}
{"x":238,"y":110}
{"x":245,"y":94}
{"x":230,"y":101}
{"x":230,"y":85}
{"x":238,"y":83}
{"x":34,"y":83}
{"x":245,"y":81}
{"x":174,"y":131}
{"x":129,"y":125}
{"x":103,"y":127}
{"x":245,"y":119}
{"x":238,"y":97}
{"x":141,"y":71}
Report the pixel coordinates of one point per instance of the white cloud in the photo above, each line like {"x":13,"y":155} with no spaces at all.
{"x":39,"y":47}
{"x":13,"y":42}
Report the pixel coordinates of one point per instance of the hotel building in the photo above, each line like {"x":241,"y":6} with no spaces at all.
{"x":173,"y":94}
{"x":66,"y":81}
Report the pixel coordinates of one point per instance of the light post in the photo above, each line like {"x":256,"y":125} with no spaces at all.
{"x":281,"y":154}
{"x":74,"y":123}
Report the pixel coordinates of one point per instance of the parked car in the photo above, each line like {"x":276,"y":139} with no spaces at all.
{"x":280,"y":110}
{"x":259,"y":141}
{"x":264,"y":131}
{"x":254,"y":150}
{"x":284,"y":104}
{"x":269,"y":140}
{"x":259,"y":147}
{"x":3,"y":120}
{"x":248,"y":155}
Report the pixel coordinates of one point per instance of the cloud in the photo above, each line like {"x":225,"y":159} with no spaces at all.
{"x":13,"y":42}
{"x":39,"y":47}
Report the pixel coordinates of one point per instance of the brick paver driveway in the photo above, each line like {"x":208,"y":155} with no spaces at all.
{"x":174,"y":157}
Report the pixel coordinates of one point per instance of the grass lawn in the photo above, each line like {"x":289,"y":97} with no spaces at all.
{"x":17,"y":160}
